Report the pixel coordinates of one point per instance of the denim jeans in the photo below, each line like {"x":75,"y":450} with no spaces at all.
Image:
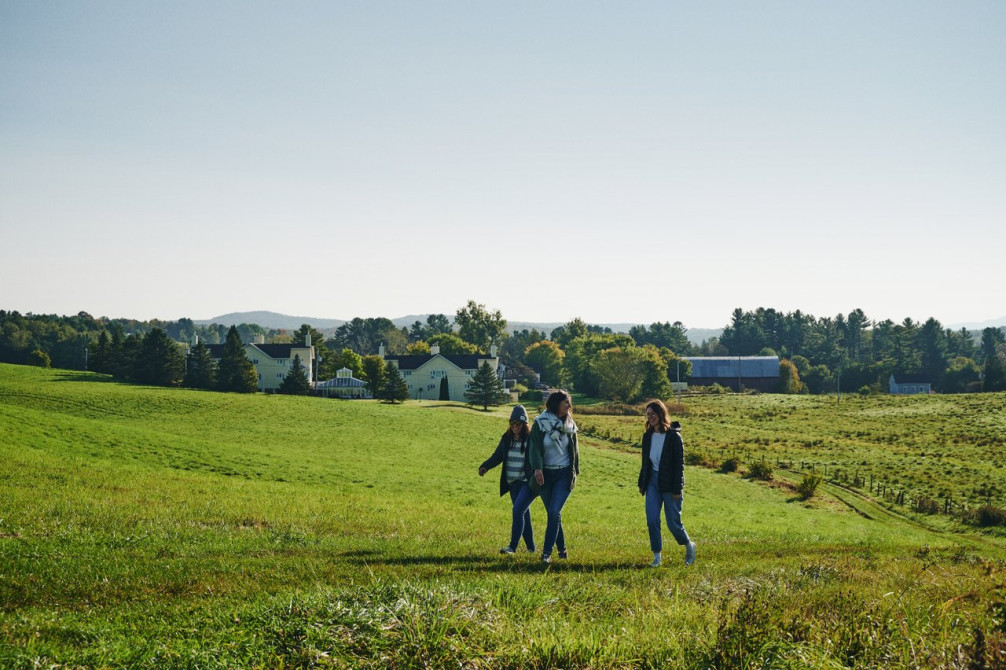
{"x":521,"y":497}
{"x":554,"y":493}
{"x":672,"y":511}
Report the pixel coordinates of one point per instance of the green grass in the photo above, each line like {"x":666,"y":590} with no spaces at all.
{"x":170,"y":528}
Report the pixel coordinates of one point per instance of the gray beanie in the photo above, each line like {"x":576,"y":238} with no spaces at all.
{"x":518,"y":414}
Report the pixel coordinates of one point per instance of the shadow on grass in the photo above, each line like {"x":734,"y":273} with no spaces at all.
{"x":81,"y":376}
{"x":490,"y":564}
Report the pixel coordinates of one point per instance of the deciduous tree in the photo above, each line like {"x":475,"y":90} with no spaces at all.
{"x":546,"y":358}
{"x":373,"y":373}
{"x":479,"y":326}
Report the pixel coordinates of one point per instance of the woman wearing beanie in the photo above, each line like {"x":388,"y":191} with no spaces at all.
{"x":555,"y":461}
{"x":512,"y":452}
{"x":661,"y":479}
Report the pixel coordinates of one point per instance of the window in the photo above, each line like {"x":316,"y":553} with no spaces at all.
{"x":279,"y":375}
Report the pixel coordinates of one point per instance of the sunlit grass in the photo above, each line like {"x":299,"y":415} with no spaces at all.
{"x":153,"y":527}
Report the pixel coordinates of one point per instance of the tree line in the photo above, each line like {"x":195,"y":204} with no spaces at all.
{"x":818,"y":354}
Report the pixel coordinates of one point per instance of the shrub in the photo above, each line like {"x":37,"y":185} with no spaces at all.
{"x":926,"y":505}
{"x":698,"y":458}
{"x":762,"y":471}
{"x":730,"y":465}
{"x":808,"y":487}
{"x":39,"y":359}
{"x":986,"y":516}
{"x":533,"y":395}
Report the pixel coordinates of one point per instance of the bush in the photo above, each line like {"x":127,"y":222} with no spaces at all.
{"x":698,"y":458}
{"x":808,"y":487}
{"x":730,"y":465}
{"x":39,"y":359}
{"x":762,"y":471}
{"x":986,"y":516}
{"x":534,"y":395}
{"x":926,"y":505}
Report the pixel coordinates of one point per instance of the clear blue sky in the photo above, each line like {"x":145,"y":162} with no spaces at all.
{"x":621,"y":162}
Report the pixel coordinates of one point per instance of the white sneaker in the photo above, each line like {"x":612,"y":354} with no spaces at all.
{"x":655,"y":563}
{"x":690,"y":553}
{"x":506,"y":550}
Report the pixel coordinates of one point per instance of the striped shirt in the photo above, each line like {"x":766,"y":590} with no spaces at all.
{"x":515,"y":462}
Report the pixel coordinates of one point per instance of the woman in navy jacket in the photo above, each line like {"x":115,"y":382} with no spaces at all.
{"x":662,"y":478}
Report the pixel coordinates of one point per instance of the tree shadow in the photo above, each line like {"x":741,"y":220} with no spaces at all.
{"x":85,"y":377}
{"x":492,"y":564}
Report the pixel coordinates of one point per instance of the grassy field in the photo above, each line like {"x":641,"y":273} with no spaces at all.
{"x":150,"y":527}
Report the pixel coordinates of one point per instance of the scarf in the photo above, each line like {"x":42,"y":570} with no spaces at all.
{"x":551,"y":425}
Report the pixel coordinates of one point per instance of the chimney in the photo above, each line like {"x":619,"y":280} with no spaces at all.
{"x":434,"y":349}
{"x":380,"y":350}
{"x":492,"y":351}
{"x":260,"y":339}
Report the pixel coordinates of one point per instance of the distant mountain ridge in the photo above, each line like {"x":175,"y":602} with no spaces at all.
{"x":277,"y":321}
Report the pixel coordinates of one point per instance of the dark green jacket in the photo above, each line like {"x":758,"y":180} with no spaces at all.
{"x":536,"y":456}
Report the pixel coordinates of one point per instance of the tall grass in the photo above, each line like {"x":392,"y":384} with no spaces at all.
{"x":170,"y":528}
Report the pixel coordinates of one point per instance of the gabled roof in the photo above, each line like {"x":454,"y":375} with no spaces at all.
{"x":725,"y":367}
{"x":462,"y":361}
{"x":905,"y":378}
{"x":275,"y":351}
{"x":278,"y":350}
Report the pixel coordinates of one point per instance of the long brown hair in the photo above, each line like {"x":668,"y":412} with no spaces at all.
{"x":555,"y":399}
{"x":660,"y":410}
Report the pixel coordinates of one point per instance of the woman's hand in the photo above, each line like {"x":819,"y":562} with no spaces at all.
{"x":539,"y":477}
{"x":482,"y":472}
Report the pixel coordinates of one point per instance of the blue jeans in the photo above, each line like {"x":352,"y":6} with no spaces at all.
{"x":521,"y":497}
{"x":672,"y":511}
{"x":554,"y":493}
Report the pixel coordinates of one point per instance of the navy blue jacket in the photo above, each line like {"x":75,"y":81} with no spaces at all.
{"x":671,"y":475}
{"x":500,"y":455}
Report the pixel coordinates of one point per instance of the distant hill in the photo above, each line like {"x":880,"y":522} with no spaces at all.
{"x":271,"y":320}
{"x":973,"y":325}
{"x":282,"y":321}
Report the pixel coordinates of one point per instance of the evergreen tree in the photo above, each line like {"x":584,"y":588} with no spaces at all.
{"x":995,"y":374}
{"x":235,"y":372}
{"x":295,"y":382}
{"x":486,"y":388}
{"x":100,"y":354}
{"x":159,"y":361}
{"x":200,"y":370}
{"x":394,"y":389}
{"x":445,"y":389}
